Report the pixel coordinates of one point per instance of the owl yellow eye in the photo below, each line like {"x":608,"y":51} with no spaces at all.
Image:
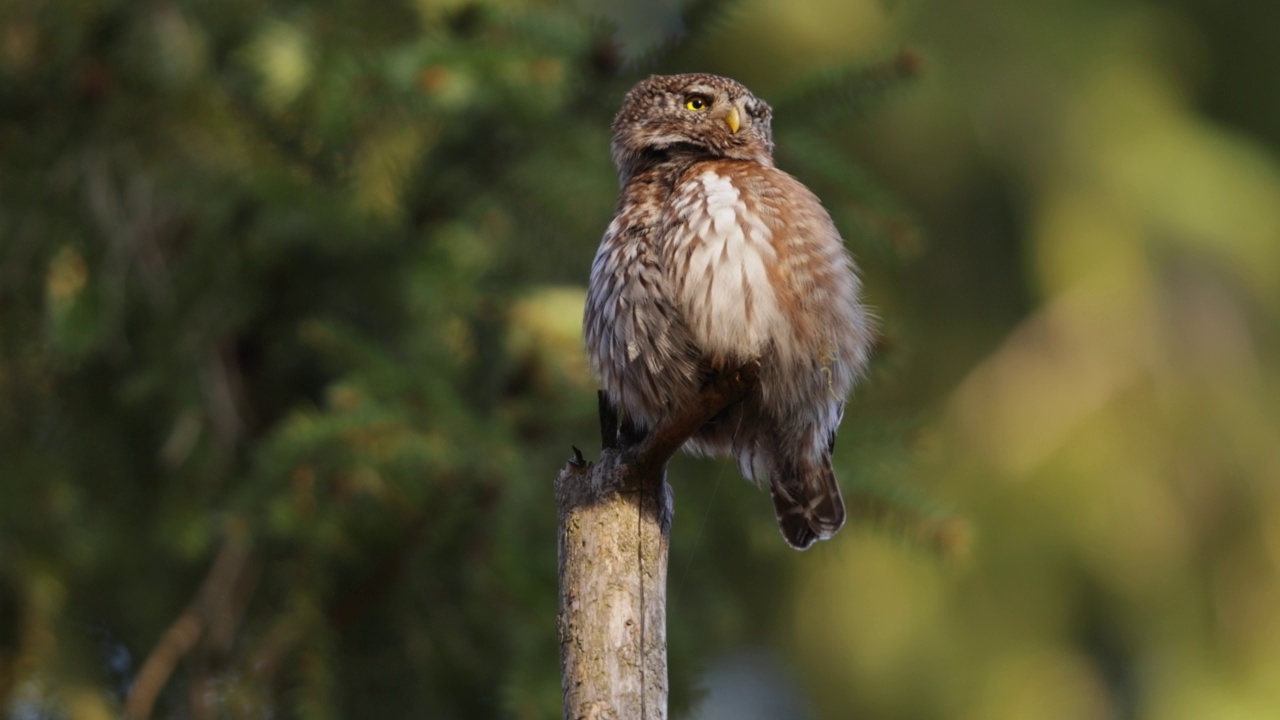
{"x":697,"y":103}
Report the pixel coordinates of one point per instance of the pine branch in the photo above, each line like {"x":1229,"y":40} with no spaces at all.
{"x":702,"y":17}
{"x":871,"y":214}
{"x":837,"y":96}
{"x":208,"y":608}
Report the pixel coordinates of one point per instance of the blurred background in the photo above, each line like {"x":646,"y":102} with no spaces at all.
{"x":290,"y":303}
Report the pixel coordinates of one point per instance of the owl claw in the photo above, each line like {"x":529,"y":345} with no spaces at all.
{"x":577,"y":460}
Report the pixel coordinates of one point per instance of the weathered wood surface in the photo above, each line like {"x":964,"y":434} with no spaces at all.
{"x":614,"y":523}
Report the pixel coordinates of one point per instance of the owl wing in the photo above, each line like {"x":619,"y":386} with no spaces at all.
{"x":637,"y":344}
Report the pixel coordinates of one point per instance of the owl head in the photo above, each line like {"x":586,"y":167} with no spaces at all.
{"x":693,"y":115}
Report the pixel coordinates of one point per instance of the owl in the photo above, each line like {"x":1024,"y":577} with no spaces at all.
{"x":716,"y":258}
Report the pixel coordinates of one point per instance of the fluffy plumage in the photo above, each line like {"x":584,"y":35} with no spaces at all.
{"x":715,"y":257}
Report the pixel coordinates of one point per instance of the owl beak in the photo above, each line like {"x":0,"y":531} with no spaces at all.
{"x":732,"y":119}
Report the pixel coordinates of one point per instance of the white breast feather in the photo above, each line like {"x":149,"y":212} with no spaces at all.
{"x":730,"y":251}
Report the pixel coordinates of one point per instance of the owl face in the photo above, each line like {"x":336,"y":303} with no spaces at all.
{"x":695,"y":115}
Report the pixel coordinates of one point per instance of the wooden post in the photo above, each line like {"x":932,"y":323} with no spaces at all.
{"x":614,"y":523}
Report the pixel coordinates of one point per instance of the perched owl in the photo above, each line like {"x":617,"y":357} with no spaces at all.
{"x":715,"y":258}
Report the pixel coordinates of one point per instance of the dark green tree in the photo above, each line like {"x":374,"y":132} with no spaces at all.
{"x":289,"y":297}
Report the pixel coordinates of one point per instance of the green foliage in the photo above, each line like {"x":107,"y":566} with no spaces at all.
{"x":834,"y":96}
{"x":290,"y":302}
{"x":270,"y":274}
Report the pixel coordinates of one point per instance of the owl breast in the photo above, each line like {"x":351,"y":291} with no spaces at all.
{"x":718,"y":255}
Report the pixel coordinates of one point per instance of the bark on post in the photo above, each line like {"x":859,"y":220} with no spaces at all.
{"x":614,"y":520}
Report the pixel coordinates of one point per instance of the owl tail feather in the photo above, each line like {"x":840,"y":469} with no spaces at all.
{"x":808,"y":503}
